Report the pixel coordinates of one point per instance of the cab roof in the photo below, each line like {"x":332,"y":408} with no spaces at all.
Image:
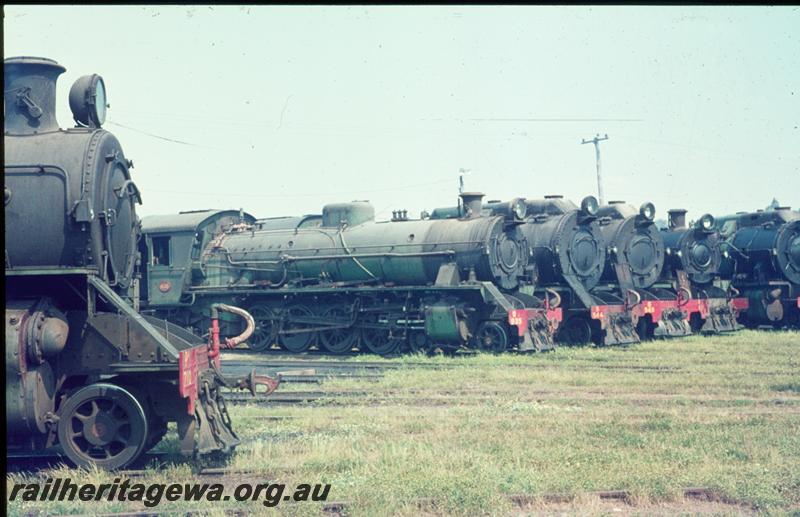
{"x":187,"y":221}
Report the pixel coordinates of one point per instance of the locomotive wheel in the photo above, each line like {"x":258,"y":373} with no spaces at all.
{"x":491,"y":337}
{"x":575,"y":331}
{"x":103,"y":425}
{"x":264,"y":335}
{"x":301,"y":341}
{"x":418,"y":342}
{"x":340,"y":340}
{"x":380,"y":341}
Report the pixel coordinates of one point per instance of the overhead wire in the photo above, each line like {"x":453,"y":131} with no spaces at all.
{"x":317,"y":194}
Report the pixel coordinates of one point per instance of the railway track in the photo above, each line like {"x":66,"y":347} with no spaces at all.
{"x":43,"y":461}
{"x":374,"y":369}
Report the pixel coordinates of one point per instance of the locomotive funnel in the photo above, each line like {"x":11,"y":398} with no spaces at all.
{"x":473,"y":204}
{"x":677,"y":218}
{"x":29,"y":86}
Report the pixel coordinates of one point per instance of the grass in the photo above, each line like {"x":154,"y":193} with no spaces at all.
{"x":721,"y":412}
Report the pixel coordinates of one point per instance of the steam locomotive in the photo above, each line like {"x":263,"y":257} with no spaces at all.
{"x":762,"y":260}
{"x":692,"y":267}
{"x":607,"y":265}
{"x":85,"y":370}
{"x":342,"y":281}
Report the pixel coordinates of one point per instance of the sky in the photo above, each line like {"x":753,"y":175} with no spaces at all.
{"x":281,"y":109}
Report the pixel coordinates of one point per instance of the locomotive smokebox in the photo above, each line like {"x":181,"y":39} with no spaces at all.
{"x":677,"y":218}
{"x":472,"y":203}
{"x":29,"y":87}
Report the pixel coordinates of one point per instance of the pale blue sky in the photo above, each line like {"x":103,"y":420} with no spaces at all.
{"x":289,"y":108}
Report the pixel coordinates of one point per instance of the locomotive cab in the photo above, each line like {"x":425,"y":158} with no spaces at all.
{"x":171,"y":249}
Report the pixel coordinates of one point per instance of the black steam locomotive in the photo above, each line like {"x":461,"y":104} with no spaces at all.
{"x":692,"y":268}
{"x":85,"y":370}
{"x":608,"y":267}
{"x":763,"y":262}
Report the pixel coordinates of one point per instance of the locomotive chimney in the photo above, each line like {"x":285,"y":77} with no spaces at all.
{"x":677,"y":218}
{"x":472,"y":203}
{"x":30,"y":94}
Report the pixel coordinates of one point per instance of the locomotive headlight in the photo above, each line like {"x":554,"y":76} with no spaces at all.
{"x":519,"y":208}
{"x":648,"y":211}
{"x":589,"y":205}
{"x":707,"y":222}
{"x":88,"y":101}
{"x":725,"y":254}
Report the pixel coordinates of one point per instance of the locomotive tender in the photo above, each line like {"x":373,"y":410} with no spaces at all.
{"x":343,"y":281}
{"x":85,"y":370}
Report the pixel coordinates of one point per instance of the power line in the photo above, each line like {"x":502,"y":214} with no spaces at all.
{"x":181,"y":142}
{"x":320,"y":194}
{"x":557,"y":119}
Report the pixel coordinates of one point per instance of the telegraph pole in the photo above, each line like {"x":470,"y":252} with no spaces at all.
{"x":596,"y":141}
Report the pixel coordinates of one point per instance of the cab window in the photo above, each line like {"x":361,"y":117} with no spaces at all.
{"x":161,"y":251}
